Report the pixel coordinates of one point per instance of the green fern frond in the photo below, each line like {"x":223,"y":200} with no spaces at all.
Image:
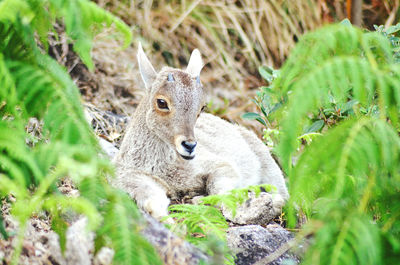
{"x":12,"y":45}
{"x":119,"y":225}
{"x":16,"y":158}
{"x":8,"y":91}
{"x":3,"y":231}
{"x":34,"y":87}
{"x":344,"y":63}
{"x":93,"y":189}
{"x":8,"y":186}
{"x":57,"y":203}
{"x":352,"y":240}
{"x":315,"y":48}
{"x":80,"y":18}
{"x":12,"y":9}
{"x":200,"y":219}
{"x":232,"y":199}
{"x":346,"y":180}
{"x":370,"y":147}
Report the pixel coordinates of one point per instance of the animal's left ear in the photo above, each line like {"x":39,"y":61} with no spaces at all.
{"x":146,"y":69}
{"x":195,"y":64}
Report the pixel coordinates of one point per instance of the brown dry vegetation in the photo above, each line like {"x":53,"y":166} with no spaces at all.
{"x":234,"y":37}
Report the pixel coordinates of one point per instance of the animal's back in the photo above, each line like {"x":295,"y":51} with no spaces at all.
{"x":241,"y":148}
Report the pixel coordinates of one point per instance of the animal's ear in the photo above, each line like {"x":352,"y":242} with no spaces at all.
{"x":195,"y":64}
{"x":146,"y":69}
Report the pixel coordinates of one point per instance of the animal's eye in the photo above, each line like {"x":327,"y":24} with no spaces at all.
{"x":162,"y":104}
{"x":202,"y":108}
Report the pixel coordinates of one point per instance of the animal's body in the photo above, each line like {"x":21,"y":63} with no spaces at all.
{"x":171,"y":149}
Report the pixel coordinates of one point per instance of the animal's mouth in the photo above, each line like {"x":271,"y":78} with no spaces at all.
{"x":187,"y":157}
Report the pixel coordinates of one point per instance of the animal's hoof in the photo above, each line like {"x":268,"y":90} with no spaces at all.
{"x":156,"y":208}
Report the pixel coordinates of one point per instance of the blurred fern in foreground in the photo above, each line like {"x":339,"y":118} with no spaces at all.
{"x":347,"y":180}
{"x":33,"y":85}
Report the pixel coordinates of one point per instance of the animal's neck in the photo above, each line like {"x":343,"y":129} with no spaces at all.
{"x":146,"y":149}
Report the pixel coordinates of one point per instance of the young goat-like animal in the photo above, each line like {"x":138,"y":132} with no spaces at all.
{"x":171,"y":149}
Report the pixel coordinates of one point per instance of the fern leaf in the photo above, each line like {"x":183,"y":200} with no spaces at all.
{"x":3,"y":231}
{"x":12,"y":9}
{"x":80,"y":205}
{"x":12,"y":44}
{"x":371,"y":147}
{"x":34,"y":87}
{"x":353,"y":240}
{"x":7,"y":186}
{"x":8,"y":91}
{"x":79,"y":17}
{"x":200,"y":219}
{"x":119,"y":225}
{"x":17,"y":155}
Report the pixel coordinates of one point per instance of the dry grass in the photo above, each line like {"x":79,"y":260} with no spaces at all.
{"x":234,"y":37}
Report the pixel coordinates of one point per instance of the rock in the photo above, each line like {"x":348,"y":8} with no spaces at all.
{"x":253,"y":243}
{"x":256,"y":210}
{"x":79,"y":245}
{"x":41,"y":245}
{"x":172,"y":249}
{"x":109,"y":149}
{"x":104,"y":256}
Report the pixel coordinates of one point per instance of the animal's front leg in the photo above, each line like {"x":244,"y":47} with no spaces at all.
{"x":149,"y":195}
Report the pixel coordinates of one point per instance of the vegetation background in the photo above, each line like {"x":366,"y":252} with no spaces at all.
{"x":352,"y":212}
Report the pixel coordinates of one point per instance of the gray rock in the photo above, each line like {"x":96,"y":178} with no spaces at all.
{"x":109,"y":149}
{"x":172,"y":249}
{"x":252,"y":244}
{"x":79,"y":245}
{"x":256,"y":210}
{"x":104,"y":256}
{"x":41,"y":244}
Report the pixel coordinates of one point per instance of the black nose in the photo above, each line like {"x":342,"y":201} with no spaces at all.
{"x":189,"y":146}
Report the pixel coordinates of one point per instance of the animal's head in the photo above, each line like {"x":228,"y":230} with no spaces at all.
{"x":174,"y":98}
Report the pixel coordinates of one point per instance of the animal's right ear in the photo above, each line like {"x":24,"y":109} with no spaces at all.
{"x":146,"y":69}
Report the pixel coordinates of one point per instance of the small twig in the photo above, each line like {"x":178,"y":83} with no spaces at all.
{"x":277,"y":253}
{"x":392,"y":15}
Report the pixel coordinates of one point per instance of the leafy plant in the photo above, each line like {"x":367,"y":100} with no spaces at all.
{"x":392,"y":33}
{"x":33,"y":85}
{"x":347,"y":179}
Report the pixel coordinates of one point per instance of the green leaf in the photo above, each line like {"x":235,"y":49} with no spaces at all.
{"x":3,"y":231}
{"x":315,"y":127}
{"x":346,"y":22}
{"x":251,"y":116}
{"x":268,"y":73}
{"x":60,"y":226}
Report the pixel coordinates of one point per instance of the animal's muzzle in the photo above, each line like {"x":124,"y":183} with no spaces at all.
{"x":185,"y":147}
